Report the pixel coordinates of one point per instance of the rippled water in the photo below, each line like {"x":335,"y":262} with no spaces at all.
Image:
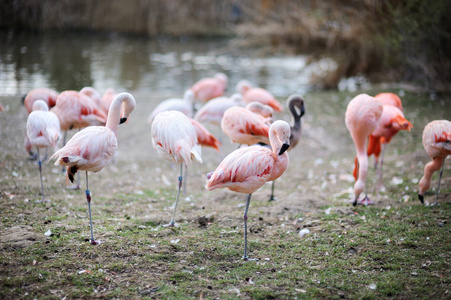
{"x":70,"y":61}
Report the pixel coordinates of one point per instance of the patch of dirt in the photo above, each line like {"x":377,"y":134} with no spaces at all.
{"x":20,"y":236}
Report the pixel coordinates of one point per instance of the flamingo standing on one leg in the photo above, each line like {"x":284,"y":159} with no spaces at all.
{"x":184,"y":105}
{"x":174,"y":138}
{"x":391,"y":122}
{"x":43,"y":130}
{"x":437,"y":143}
{"x":251,"y":94}
{"x":209,"y":88}
{"x":362,"y":116}
{"x":92,"y":148}
{"x":214,"y":110}
{"x":245,"y":170}
{"x":243,"y":126}
{"x":49,"y":97}
{"x":295,"y":104}
{"x":76,"y":110}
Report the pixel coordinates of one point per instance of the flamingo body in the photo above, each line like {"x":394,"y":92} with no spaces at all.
{"x":437,"y":143}
{"x":245,"y":127}
{"x":389,"y":98}
{"x":214,"y":110}
{"x":107,"y":99}
{"x":252,"y":94}
{"x":43,"y":127}
{"x":209,"y":88}
{"x":93,"y":94}
{"x":362,"y":116}
{"x":47,"y":95}
{"x":76,"y":110}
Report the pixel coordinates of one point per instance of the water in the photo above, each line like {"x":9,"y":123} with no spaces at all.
{"x":70,"y":61}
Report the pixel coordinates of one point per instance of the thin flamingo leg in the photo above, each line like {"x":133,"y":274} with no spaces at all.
{"x":439,"y":179}
{"x":245,"y":257}
{"x":272,"y":198}
{"x":172,"y":223}
{"x":88,"y":198}
{"x":40,"y":174}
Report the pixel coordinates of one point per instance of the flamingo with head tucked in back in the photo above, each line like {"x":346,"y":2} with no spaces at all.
{"x":252,"y":94}
{"x":245,"y":170}
{"x":391,"y":122}
{"x":243,"y":126}
{"x":174,"y":138}
{"x":76,"y":110}
{"x":437,"y":143}
{"x":43,"y":130}
{"x":362,"y":116}
{"x":213,"y":111}
{"x":209,"y":88}
{"x":45,"y":94}
{"x":389,"y":98}
{"x":92,"y":148}
{"x":184,"y":105}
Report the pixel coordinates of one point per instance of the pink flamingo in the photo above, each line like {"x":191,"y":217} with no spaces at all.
{"x":391,"y":122}
{"x":263,"y":110}
{"x":49,"y":97}
{"x":107,"y":99}
{"x":92,"y":93}
{"x":251,"y":94}
{"x":1,"y":107}
{"x":184,"y":105}
{"x":92,"y":148}
{"x":76,"y":110}
{"x":174,"y":138}
{"x":213,"y":110}
{"x":43,"y":130}
{"x":209,"y":88}
{"x":437,"y":143}
{"x":245,"y":170}
{"x":389,"y":98}
{"x":245,"y":127}
{"x":362,"y":116}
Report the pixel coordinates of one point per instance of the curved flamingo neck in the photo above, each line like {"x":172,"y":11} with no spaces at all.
{"x":114,"y":114}
{"x":429,"y":169}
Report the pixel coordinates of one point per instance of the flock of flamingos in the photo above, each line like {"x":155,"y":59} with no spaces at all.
{"x":246,"y":117}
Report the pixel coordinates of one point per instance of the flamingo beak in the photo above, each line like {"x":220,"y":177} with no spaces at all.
{"x":284,"y":148}
{"x":123,"y":120}
{"x":421,"y":198}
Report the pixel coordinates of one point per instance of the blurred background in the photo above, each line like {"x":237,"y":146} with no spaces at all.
{"x":166,"y":45}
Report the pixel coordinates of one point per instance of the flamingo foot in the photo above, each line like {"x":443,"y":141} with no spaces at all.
{"x":93,"y":242}
{"x":171,"y":224}
{"x":272,"y":198}
{"x":365,"y":201}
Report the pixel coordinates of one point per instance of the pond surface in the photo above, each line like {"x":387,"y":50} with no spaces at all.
{"x":70,"y":61}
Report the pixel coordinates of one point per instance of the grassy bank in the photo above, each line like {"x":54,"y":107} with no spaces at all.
{"x":396,"y":249}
